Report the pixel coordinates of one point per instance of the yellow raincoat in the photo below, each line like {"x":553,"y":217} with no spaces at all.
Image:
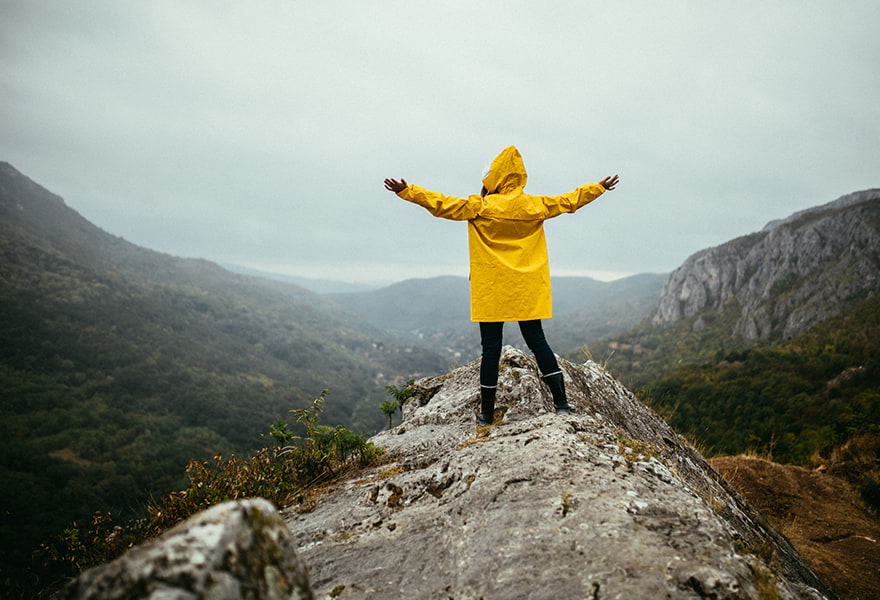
{"x":509,"y":270}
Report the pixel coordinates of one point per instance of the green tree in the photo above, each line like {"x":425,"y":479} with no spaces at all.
{"x":400,"y":395}
{"x":389,"y":407}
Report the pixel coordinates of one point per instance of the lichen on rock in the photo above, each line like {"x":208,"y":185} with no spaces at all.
{"x":235,"y":550}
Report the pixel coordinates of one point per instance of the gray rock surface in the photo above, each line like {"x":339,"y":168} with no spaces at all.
{"x":606,"y":503}
{"x":791,"y":275}
{"x":235,"y":550}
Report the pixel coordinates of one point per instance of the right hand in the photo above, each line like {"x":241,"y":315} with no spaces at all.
{"x":609,"y":182}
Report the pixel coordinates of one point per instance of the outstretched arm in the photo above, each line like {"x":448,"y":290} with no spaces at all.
{"x":570,"y":202}
{"x":445,"y":207}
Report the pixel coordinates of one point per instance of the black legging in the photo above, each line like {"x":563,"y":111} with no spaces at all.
{"x":532,"y":332}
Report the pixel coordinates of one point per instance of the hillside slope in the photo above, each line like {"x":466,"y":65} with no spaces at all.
{"x":821,"y":515}
{"x":119,"y":364}
{"x":794,"y":399}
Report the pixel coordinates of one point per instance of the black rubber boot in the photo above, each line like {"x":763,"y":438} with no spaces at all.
{"x":487,"y":405}
{"x":556,"y":383}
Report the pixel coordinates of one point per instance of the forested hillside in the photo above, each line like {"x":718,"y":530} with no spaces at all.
{"x":789,"y":400}
{"x":120,"y":364}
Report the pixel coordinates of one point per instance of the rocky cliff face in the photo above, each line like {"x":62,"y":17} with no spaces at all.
{"x":606,"y":503}
{"x":787,"y":277}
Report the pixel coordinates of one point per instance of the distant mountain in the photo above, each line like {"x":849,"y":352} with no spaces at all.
{"x":791,"y":275}
{"x":765,"y":287}
{"x":119,"y":364}
{"x":588,"y":311}
{"x":319,"y":286}
{"x":436,"y":311}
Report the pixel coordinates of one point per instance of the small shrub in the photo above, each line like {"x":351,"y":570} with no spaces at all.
{"x":83,"y":547}
{"x":280,"y":432}
{"x":389,"y":407}
{"x":400,"y":393}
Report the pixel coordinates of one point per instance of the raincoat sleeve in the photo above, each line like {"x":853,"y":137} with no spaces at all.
{"x":445,"y":207}
{"x":570,"y":202}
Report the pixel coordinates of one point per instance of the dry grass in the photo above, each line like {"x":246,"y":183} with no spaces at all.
{"x":481,"y":435}
{"x":588,"y":355}
{"x":390,"y":472}
{"x":765,"y":581}
{"x":634,"y":450}
{"x":821,"y":515}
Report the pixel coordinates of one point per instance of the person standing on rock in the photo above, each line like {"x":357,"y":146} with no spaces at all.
{"x":509,"y":267}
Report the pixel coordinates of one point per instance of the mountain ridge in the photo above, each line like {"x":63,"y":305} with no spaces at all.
{"x":841,"y":202}
{"x":607,"y":502}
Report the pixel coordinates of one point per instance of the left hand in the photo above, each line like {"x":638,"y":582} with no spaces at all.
{"x":392,"y":185}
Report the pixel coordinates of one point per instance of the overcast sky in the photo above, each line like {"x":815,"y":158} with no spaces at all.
{"x":259,"y":133}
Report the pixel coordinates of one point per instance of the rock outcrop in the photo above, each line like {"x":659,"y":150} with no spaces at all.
{"x":236,"y":550}
{"x":791,"y":275}
{"x":606,"y":503}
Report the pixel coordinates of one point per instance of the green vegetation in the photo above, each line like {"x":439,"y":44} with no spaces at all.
{"x":119,"y":365}
{"x":400,"y":394}
{"x":795,"y":402}
{"x":282,"y":474}
{"x":648,"y":352}
{"x":389,"y":407}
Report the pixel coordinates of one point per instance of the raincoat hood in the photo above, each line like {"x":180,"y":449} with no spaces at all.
{"x":506,"y":173}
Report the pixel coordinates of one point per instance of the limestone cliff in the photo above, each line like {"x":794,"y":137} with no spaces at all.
{"x":787,"y":277}
{"x":606,"y":503}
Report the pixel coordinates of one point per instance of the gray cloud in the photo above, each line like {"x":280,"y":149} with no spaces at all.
{"x":260,"y":134}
